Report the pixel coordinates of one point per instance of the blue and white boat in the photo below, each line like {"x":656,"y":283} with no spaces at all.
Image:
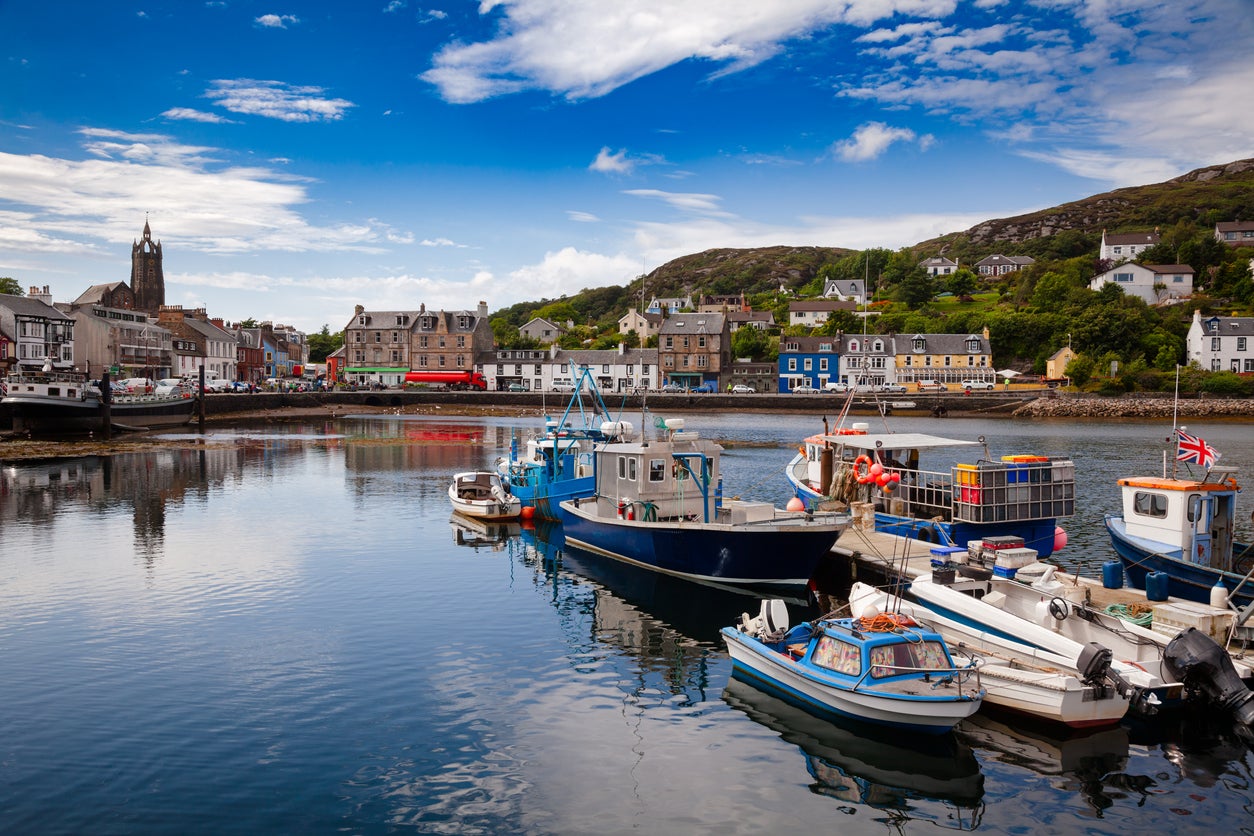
{"x":1185,"y":529}
{"x":557,"y":465}
{"x":888,"y":670}
{"x":1014,"y":496}
{"x":658,"y":503}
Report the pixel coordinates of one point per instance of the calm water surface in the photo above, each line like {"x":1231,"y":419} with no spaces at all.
{"x":284,"y":632}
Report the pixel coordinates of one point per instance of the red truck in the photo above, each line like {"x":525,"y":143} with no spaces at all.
{"x":451,"y":379}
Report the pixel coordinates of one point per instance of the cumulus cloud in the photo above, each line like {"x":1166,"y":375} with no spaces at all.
{"x":608,"y":162}
{"x":276,"y":100}
{"x":871,"y":140}
{"x":205,"y":204}
{"x":276,"y":21}
{"x":584,"y":50}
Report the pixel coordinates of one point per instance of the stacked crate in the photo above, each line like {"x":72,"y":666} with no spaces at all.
{"x":1017,"y":488}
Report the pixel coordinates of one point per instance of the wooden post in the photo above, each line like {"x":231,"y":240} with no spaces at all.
{"x":200,"y":401}
{"x":106,"y":408}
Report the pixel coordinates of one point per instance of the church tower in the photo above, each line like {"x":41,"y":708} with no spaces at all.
{"x":147,"y":280}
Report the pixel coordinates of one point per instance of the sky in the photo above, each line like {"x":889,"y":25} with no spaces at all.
{"x":297,"y":158}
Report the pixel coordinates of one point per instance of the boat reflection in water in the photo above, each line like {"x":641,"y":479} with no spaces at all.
{"x":492,"y":535}
{"x":855,"y":762}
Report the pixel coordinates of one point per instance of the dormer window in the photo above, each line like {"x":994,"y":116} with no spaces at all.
{"x":973,"y":344}
{"x":879,"y":345}
{"x":361,"y":320}
{"x":918,"y":343}
{"x":853,"y":345}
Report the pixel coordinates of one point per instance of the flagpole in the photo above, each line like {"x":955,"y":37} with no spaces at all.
{"x":1175,"y":412}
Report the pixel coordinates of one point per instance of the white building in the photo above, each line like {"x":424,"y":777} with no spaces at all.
{"x":939,"y":266}
{"x":39,"y":331}
{"x":1222,"y":343}
{"x":1155,"y":283}
{"x":1123,"y":246}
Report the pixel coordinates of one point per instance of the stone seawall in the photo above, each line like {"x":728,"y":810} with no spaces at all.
{"x":1135,"y":407}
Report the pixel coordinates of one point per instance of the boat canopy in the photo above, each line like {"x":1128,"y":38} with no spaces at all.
{"x":895,"y":441}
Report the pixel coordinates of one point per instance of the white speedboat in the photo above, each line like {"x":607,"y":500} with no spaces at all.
{"x":481,"y":494}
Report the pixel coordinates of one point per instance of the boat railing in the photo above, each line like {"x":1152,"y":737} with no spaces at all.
{"x":926,"y":493}
{"x":959,"y":676}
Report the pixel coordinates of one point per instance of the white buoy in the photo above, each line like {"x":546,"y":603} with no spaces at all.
{"x":1219,"y":595}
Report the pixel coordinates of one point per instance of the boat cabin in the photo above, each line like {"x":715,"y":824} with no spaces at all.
{"x":668,"y":479}
{"x":1192,"y":519}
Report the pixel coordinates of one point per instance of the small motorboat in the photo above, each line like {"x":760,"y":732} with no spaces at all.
{"x":482,"y":495}
{"x":887,"y":670}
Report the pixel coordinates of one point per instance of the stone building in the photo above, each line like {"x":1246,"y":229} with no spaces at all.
{"x":147,"y":278}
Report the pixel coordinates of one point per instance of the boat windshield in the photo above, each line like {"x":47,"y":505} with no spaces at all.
{"x":907,"y":657}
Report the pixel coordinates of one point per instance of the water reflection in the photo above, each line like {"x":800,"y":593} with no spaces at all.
{"x":481,"y":534}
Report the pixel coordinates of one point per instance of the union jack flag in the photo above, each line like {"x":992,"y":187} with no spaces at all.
{"x":1190,"y":448}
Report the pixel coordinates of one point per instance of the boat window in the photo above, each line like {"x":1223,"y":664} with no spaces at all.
{"x":1147,"y":504}
{"x":894,"y":659}
{"x":657,"y":470}
{"x":627,"y":468}
{"x":836,"y":655}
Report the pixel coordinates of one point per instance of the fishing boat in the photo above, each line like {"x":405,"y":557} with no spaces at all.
{"x":481,"y":495}
{"x":557,"y":465}
{"x":1016,"y":495}
{"x":1028,"y":681}
{"x":1183,"y":528}
{"x":659,"y":503}
{"x":890,"y":671}
{"x":50,"y":402}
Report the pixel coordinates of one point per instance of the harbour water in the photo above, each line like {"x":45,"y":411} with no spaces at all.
{"x":281,"y":630}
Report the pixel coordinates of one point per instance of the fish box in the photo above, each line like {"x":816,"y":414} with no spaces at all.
{"x":740,"y":512}
{"x":1015,"y":558}
{"x":999,"y":543}
{"x":1171,"y":618}
{"x":1004,"y":572}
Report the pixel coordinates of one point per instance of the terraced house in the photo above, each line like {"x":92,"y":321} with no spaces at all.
{"x":381,"y":346}
{"x":694,"y":349}
{"x":945,"y":358}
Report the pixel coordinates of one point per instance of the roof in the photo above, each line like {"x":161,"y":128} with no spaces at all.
{"x":96,"y":292}
{"x":1018,"y":260}
{"x":897,"y":441}
{"x":808,"y":345}
{"x":1169,"y":268}
{"x":1234,"y":226}
{"x":601,"y":356}
{"x":943,"y":343}
{"x":1240,"y":326}
{"x":1130,"y":238}
{"x":821,"y":305}
{"x":693,"y":323}
{"x":22,"y":306}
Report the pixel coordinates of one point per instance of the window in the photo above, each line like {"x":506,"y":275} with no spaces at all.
{"x":1214,"y":343}
{"x":627,"y":468}
{"x":1240,"y":343}
{"x":792,"y":364}
{"x":1147,"y":504}
{"x":822,"y":364}
{"x":701,"y":341}
{"x":1123,"y":277}
{"x":838,"y":656}
{"x":1249,"y":365}
{"x":1118,"y":250}
{"x":808,"y":364}
{"x":605,"y":368}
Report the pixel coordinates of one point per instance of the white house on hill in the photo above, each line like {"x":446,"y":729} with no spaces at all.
{"x":1155,"y":283}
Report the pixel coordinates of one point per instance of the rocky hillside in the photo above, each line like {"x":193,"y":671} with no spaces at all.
{"x":727,"y":271}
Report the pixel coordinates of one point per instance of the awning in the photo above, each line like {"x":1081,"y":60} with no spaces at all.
{"x":1008,"y":373}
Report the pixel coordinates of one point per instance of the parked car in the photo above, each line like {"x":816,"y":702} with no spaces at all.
{"x":703,"y":388}
{"x":932,"y":386}
{"x":977,"y":384}
{"x":137,"y":385}
{"x":838,"y":388}
{"x":804,"y":390}
{"x":672,"y":387}
{"x":166,"y":385}
{"x":563,"y":386}
{"x":517,"y":387}
{"x":895,"y":388}
{"x":741,"y":389}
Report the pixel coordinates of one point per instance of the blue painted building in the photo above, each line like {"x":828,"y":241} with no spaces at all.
{"x":808,"y":361}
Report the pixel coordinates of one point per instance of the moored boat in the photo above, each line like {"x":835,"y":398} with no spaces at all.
{"x":1029,"y":681}
{"x":658,"y":503}
{"x":481,"y":495}
{"x":51,"y":402}
{"x":557,"y":465}
{"x":1184,"y":528}
{"x":888,"y":671}
{"x":1014,"y":496}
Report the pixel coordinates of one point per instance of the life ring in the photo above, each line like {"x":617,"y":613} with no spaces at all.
{"x":1058,"y":608}
{"x":863,"y":477}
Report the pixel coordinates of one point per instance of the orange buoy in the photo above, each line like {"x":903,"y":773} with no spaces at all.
{"x":795,"y":504}
{"x":528,"y":512}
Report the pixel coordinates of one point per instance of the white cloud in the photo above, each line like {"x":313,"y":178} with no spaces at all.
{"x":566,"y":271}
{"x":582,"y":217}
{"x":188,"y":114}
{"x":873,"y":139}
{"x":439,"y":242}
{"x":394,"y":6}
{"x":276,"y":100}
{"x":608,"y":162}
{"x":702,"y":204}
{"x":584,"y":50}
{"x":276,"y":21}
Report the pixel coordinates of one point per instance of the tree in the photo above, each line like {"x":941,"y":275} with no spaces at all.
{"x":1080,"y":370}
{"x":916,"y":288}
{"x":10,"y":287}
{"x":962,"y":283}
{"x":323,"y":344}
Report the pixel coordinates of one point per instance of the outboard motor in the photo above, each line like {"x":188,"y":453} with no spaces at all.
{"x":1094,"y":666}
{"x":771,"y":622}
{"x":1204,"y":667}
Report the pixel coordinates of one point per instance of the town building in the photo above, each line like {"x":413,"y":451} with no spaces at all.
{"x":999,"y":265}
{"x":644,"y":324}
{"x":116,"y":295}
{"x":760,"y":376}
{"x":814,"y":312}
{"x":762,"y":320}
{"x":147,"y":274}
{"x":1235,"y":233}
{"x":845,"y":290}
{"x":8,"y":353}
{"x":39,"y":332}
{"x":694,"y":349}
{"x":1056,"y":365}
{"x":945,"y":358}
{"x":250,"y":355}
{"x":197,"y":342}
{"x":807,"y":361}
{"x":1123,"y":246}
{"x":672,"y":304}
{"x":939,"y":266}
{"x":722,"y":304}
{"x":517,"y":367}
{"x":377,"y":345}
{"x":541,"y":330}
{"x":867,"y":359}
{"x":122,"y":341}
{"x":451,"y":340}
{"x":1155,"y":283}
{"x":1221,"y":343}
{"x":614,"y":370}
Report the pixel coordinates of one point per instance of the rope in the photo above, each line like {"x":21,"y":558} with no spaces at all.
{"x":885,"y":622}
{"x":1142,"y":615}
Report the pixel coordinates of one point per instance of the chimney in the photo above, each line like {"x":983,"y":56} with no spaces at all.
{"x":358,"y":310}
{"x":483,"y":308}
{"x":44,"y":295}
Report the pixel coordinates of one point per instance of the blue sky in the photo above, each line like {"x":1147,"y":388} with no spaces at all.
{"x":299,"y":158}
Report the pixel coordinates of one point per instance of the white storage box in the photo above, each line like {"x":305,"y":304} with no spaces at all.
{"x":1171,"y":618}
{"x":1015,"y":558}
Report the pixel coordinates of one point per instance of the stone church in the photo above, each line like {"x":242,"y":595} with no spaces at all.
{"x":147,"y":279}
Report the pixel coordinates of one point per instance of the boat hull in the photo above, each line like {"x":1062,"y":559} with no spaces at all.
{"x":777,"y":672}
{"x":545,"y":495}
{"x":1191,"y":581}
{"x":36,"y":414}
{"x":777,"y":554}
